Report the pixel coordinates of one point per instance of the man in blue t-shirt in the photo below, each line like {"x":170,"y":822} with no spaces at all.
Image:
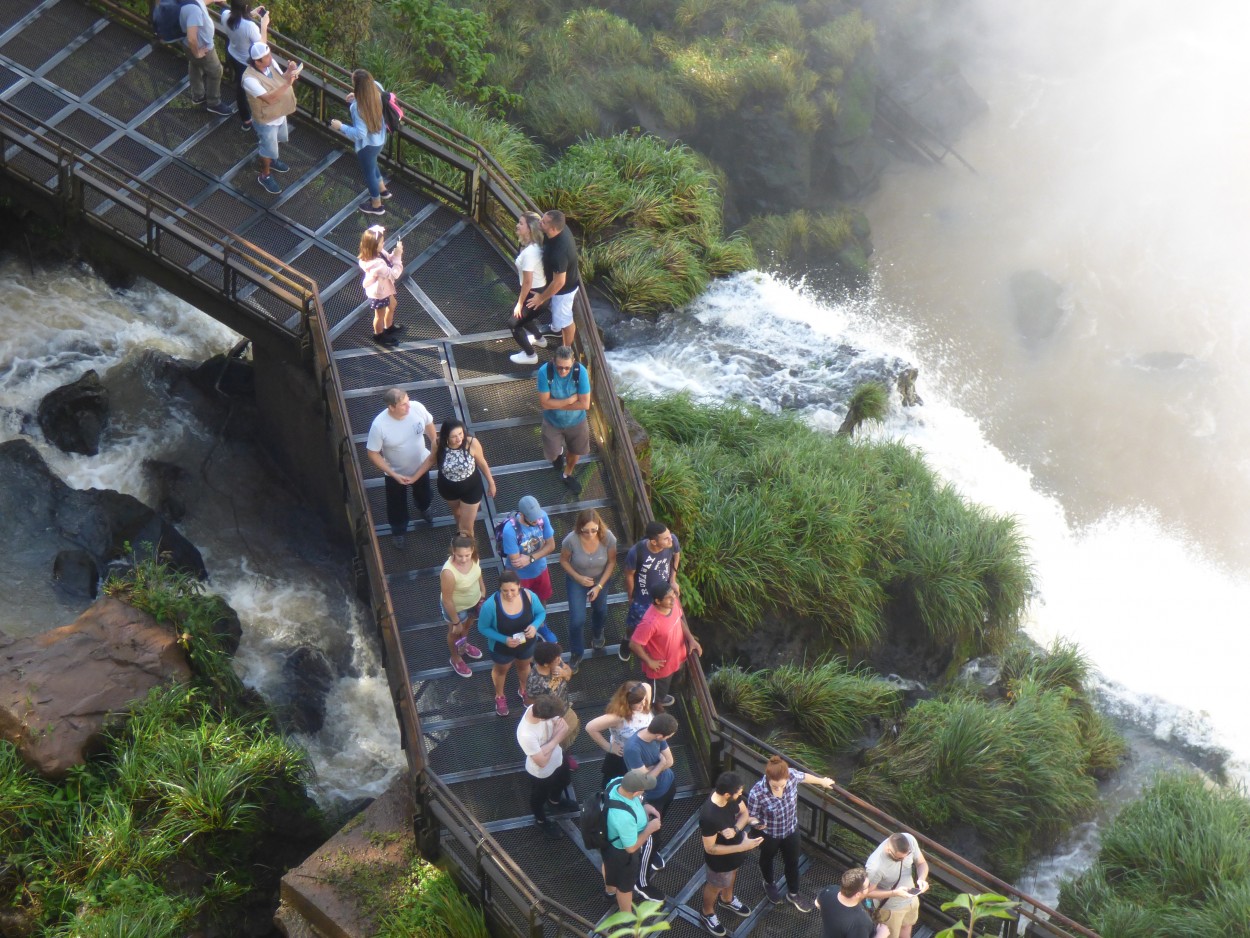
{"x":648,"y":750}
{"x":564,"y":393}
{"x":527,"y":540}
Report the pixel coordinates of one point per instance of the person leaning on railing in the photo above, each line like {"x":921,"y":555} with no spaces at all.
{"x":367,"y":131}
{"x":774,"y":800}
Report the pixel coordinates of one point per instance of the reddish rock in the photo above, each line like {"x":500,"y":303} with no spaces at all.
{"x":59,"y":689}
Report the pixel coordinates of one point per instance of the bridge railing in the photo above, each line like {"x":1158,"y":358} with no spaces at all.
{"x":94,"y":191}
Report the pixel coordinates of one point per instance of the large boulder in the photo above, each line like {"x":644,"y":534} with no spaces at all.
{"x":60,"y":689}
{"x":41,"y":516}
{"x":73,"y":416}
{"x":308,"y":677}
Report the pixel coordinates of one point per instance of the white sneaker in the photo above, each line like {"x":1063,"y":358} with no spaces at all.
{"x":540,"y":342}
{"x":524,"y":358}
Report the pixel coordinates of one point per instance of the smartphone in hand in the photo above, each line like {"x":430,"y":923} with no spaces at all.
{"x":914,"y":891}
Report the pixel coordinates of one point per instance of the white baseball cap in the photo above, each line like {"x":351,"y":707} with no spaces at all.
{"x":258,"y":51}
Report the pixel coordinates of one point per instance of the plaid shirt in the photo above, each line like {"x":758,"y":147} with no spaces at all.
{"x":779,"y":815}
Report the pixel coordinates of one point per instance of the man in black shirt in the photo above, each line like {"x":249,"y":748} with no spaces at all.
{"x":842,"y":912}
{"x":722,"y":822}
{"x":560,"y":266}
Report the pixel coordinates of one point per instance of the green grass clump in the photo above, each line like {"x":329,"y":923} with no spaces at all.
{"x":649,"y":214}
{"x":1018,"y":773}
{"x":801,"y":234}
{"x":744,"y":692}
{"x":779,"y":519}
{"x":830,"y":702}
{"x":1175,"y":863}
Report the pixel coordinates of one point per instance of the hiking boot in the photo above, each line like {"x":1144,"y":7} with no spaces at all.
{"x":523,"y":358}
{"x":575,"y":662}
{"x":774,"y":892}
{"x":548,"y":827}
{"x":711,"y":925}
{"x":269,"y":184}
{"x":799,"y":902}
{"x":220,"y":109}
{"x":458,"y":665}
{"x":734,"y":905}
{"x":469,"y":650}
{"x":370,"y":209}
{"x":278,"y":166}
{"x":597,"y":641}
{"x":501,"y":706}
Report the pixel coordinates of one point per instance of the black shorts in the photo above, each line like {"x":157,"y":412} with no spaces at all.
{"x":469,"y":491}
{"x":620,"y":868}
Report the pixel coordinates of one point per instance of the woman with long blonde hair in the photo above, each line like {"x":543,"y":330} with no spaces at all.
{"x":529,"y":268}
{"x":368,"y":132}
{"x":628,"y":711}
{"x":381,"y":269}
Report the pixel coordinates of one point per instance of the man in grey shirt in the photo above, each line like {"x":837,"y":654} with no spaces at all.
{"x":203,"y":66}
{"x":897,"y":874}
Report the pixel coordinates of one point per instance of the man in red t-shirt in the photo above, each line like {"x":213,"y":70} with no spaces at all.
{"x":662,"y":640}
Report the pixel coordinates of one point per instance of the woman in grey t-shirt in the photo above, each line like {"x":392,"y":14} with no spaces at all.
{"x":588,"y":556}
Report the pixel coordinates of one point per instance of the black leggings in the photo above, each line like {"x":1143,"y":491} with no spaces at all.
{"x":524,"y":329}
{"x":789,"y":847}
{"x":240,"y":96}
{"x":551,"y":788}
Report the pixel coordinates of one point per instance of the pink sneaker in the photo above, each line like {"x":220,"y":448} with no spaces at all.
{"x":469,"y":650}
{"x":501,"y":706}
{"x":460,"y":667}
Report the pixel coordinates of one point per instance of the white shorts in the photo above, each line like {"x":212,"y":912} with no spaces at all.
{"x":562,"y":309}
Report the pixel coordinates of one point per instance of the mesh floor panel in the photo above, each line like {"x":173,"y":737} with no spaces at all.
{"x":173,"y":124}
{"x":38,"y":102}
{"x":131,"y":154}
{"x":490,"y":359}
{"x":102,"y":53}
{"x":395,"y":366}
{"x":134,"y":91}
{"x":321,"y":265}
{"x":545,"y":485}
{"x":226,"y":146}
{"x":324,"y":194}
{"x":13,"y":10}
{"x":48,"y":34}
{"x":473,"y":284}
{"x":504,"y":400}
{"x":86,"y":128}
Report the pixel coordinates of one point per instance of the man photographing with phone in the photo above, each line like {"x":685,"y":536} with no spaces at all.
{"x":897,"y":874}
{"x":271,"y":95}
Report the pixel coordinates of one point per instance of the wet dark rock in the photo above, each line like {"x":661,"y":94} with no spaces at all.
{"x":169,"y":483}
{"x":1036,"y":298}
{"x":40,"y":516}
{"x":308,"y":676}
{"x":984,"y":676}
{"x":767,"y":160}
{"x":906,"y":384}
{"x":225,"y":374}
{"x":73,"y":416}
{"x":75,"y":574}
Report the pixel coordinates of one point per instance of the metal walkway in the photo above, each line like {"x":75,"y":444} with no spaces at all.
{"x":97,"y":130}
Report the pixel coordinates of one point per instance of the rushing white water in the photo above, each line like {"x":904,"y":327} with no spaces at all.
{"x":263,"y":553}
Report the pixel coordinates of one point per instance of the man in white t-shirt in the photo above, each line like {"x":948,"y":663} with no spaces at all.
{"x":270,"y":91}
{"x":401,"y":439}
{"x":539,"y":734}
{"x":203,"y":66}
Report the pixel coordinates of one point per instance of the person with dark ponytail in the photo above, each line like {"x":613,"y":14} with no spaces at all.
{"x":774,"y":800}
{"x":243,"y":26}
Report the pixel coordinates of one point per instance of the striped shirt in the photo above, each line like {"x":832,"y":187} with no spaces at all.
{"x":780,"y":816}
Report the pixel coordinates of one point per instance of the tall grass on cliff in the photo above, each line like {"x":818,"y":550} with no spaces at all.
{"x":1019,"y":773}
{"x":778,"y":519}
{"x":649,"y":215}
{"x":1175,"y":863}
{"x":193,"y":780}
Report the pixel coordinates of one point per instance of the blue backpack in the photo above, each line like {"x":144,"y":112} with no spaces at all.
{"x":167,"y":20}
{"x":499,"y":529}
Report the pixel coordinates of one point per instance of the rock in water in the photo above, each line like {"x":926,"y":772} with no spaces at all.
{"x":1038,"y":310}
{"x":309,"y":676}
{"x":58,"y":690}
{"x":40,"y":516}
{"x":73,"y":417}
{"x":75,"y":574}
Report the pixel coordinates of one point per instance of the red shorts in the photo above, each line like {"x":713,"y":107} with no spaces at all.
{"x":540,"y":585}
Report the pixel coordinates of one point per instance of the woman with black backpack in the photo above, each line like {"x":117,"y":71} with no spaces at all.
{"x":368,"y":132}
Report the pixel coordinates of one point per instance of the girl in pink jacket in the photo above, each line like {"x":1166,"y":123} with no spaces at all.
{"x":381,"y":270}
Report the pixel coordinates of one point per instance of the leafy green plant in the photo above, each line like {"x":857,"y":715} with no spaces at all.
{"x":830,"y":702}
{"x":427,"y":903}
{"x":644,"y":919}
{"x":871,"y":401}
{"x":984,"y":905}
{"x":742,"y":691}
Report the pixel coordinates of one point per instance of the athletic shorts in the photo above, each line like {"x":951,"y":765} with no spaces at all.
{"x":620,"y":868}
{"x":574,"y":440}
{"x":270,"y":135}
{"x":562,"y":309}
{"x":502,"y":654}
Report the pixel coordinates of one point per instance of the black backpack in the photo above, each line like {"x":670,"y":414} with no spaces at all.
{"x":594,"y":820}
{"x":499,"y":529}
{"x":166,"y":20}
{"x":575,"y":374}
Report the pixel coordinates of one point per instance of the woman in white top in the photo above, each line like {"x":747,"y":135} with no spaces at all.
{"x":242,"y":27}
{"x":529,"y":268}
{"x":628,"y":711}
